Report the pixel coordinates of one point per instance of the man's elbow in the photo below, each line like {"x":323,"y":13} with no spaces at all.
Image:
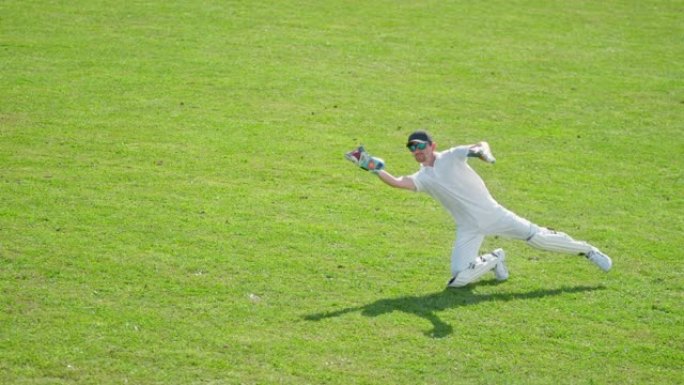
{"x":405,"y":183}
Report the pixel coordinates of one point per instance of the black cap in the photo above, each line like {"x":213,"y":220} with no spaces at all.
{"x":419,"y":136}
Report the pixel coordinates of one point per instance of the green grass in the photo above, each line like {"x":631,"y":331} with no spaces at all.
{"x":176,"y":208}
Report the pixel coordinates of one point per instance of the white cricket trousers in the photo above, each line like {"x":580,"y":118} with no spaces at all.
{"x":469,"y":239}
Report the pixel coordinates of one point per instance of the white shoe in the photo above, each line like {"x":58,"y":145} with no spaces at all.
{"x":599,"y":259}
{"x":500,"y":270}
{"x":479,"y":267}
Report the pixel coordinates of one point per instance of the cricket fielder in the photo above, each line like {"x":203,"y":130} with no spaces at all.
{"x":447,"y":177}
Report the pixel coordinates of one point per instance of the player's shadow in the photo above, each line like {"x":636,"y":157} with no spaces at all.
{"x":426,"y":306}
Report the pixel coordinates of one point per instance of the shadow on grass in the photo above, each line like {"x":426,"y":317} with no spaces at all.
{"x":425,"y":306}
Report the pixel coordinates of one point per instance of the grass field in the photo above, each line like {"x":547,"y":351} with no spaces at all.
{"x":176,"y":208}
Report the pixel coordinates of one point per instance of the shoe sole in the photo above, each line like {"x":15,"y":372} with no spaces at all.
{"x":501,"y":275}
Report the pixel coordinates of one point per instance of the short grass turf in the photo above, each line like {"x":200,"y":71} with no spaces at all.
{"x":176,"y":208}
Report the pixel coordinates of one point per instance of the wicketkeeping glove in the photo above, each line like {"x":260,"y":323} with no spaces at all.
{"x":365,"y":160}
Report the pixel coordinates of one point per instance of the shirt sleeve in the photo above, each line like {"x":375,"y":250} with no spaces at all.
{"x":458,"y":152}
{"x":417,"y":181}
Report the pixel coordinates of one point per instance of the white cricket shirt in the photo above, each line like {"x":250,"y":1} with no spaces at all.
{"x":459,"y":189}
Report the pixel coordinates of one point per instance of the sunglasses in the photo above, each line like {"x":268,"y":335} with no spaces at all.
{"x":416,"y":146}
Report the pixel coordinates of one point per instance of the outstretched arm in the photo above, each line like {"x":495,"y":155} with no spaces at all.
{"x":481,"y":150}
{"x":366,"y":161}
